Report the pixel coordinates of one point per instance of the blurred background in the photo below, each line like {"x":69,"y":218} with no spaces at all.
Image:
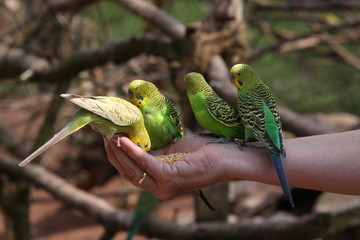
{"x":307,"y":52}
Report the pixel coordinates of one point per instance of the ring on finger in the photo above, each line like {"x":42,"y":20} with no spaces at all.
{"x":142,"y":179}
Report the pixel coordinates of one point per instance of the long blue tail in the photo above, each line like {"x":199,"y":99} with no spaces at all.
{"x":279,"y":166}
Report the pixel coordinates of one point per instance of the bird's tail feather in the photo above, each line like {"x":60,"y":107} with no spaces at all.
{"x":279,"y":166}
{"x":204,"y":199}
{"x":75,"y":124}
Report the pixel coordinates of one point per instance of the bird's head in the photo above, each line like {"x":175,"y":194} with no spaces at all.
{"x":243,"y":76}
{"x":139,"y":91}
{"x":195,"y":82}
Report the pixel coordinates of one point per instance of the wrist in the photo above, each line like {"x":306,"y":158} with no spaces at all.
{"x":248,"y":163}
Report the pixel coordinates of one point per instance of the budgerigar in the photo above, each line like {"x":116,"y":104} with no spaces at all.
{"x":211,"y":111}
{"x":258,"y":112}
{"x":107,"y":115}
{"x":162,"y":121}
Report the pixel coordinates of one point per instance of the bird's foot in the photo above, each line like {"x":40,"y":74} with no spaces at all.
{"x":240,"y":142}
{"x":205,"y":134}
{"x":220,"y":140}
{"x":174,"y":140}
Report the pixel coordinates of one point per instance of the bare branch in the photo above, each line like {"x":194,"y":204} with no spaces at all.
{"x":280,"y":44}
{"x":116,"y":51}
{"x":156,"y":16}
{"x":341,"y":51}
{"x":308,"y":5}
{"x":15,"y":61}
{"x":68,"y":5}
{"x":300,"y":125}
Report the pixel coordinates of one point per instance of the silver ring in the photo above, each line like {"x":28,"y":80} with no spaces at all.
{"x":142,"y":178}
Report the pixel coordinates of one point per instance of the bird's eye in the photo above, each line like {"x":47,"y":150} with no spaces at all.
{"x":240,"y":82}
{"x":137,"y":89}
{"x":239,"y":73}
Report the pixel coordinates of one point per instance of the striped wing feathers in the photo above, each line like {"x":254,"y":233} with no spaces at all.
{"x":252,"y":113}
{"x":221,"y":110}
{"x":175,"y":115}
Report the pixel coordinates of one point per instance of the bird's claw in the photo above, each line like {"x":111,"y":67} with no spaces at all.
{"x":219,"y":140}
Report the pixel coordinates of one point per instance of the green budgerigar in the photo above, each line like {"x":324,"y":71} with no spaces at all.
{"x":107,"y":115}
{"x":212,"y":112}
{"x":258,"y":112}
{"x":162,"y":121}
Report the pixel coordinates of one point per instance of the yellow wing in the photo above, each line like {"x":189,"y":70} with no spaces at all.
{"x":117,"y":110}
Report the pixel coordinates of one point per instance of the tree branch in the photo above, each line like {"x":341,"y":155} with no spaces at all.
{"x":116,"y":51}
{"x":15,"y":61}
{"x":307,"y":5}
{"x":300,"y":125}
{"x":278,"y":45}
{"x":341,"y":51}
{"x":68,"y":5}
{"x":156,"y":16}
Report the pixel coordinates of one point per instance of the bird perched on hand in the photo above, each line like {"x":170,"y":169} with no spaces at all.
{"x":212,"y":112}
{"x":162,"y":119}
{"x":107,"y":115}
{"x":258,"y":112}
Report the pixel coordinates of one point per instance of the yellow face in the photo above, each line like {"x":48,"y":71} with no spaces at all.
{"x":241,"y":75}
{"x":135,"y":94}
{"x":145,"y":146}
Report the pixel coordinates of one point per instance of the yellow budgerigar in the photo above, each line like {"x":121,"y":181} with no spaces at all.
{"x":107,"y":115}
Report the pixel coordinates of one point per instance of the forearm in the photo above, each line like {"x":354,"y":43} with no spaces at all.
{"x":324,"y":162}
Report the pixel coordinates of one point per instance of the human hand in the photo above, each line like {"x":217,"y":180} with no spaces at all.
{"x":204,"y":166}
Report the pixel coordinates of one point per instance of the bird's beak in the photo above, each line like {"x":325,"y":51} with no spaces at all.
{"x":232,"y":77}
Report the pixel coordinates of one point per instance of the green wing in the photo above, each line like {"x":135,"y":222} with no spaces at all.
{"x":261,"y":120}
{"x":221,"y":111}
{"x":175,"y":115}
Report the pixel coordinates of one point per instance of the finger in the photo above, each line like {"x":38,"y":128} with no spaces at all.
{"x":111,"y":156}
{"x":144,"y":160}
{"x":130,"y":170}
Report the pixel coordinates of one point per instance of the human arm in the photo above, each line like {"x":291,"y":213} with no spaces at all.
{"x":323,"y":162}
